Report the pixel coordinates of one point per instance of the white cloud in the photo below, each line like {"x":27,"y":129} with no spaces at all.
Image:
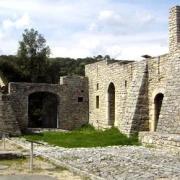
{"x":106,"y":14}
{"x":144,"y":17}
{"x":117,"y":46}
{"x":78,"y":28}
{"x":21,"y":22}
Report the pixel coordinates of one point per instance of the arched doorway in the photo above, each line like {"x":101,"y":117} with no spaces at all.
{"x":157,"y":108}
{"x":42,"y":110}
{"x":111,"y":104}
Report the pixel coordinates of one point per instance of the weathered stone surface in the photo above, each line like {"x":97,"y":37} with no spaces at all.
{"x":71,"y":113}
{"x":117,"y":162}
{"x":136,"y":89}
{"x":137,"y":85}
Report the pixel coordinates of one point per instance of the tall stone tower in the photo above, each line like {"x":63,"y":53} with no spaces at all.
{"x":174,"y":30}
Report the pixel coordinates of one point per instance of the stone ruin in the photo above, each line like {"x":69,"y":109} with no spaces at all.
{"x":140,"y":95}
{"x":71,"y":105}
{"x":133,"y":96}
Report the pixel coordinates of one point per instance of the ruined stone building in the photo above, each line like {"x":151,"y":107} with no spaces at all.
{"x":138,"y":96}
{"x":67,"y":107}
{"x":133,"y":96}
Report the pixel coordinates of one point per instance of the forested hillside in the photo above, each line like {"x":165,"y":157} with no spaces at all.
{"x":32,"y":63}
{"x":10,"y":68}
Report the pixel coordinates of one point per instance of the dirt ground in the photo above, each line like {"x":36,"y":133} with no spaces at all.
{"x":41,"y":166}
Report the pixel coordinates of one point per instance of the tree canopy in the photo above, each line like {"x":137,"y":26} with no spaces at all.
{"x":33,"y":55}
{"x":33,"y":64}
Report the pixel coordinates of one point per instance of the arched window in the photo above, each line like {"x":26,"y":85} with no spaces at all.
{"x":157,"y":108}
{"x":111,"y":104}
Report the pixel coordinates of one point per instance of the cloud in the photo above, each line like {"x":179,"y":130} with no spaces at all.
{"x":21,"y":22}
{"x":78,"y":28}
{"x":106,"y":14}
{"x":115,"y":21}
{"x":117,"y":46}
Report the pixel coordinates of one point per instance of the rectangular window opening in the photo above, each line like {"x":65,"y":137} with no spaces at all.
{"x":125,"y":83}
{"x":97,"y":86}
{"x":80,"y":99}
{"x":97,"y":102}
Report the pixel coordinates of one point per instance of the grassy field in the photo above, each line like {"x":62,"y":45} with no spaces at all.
{"x":85,"y":137}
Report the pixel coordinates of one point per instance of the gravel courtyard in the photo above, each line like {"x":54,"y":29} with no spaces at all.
{"x":118,"y":162}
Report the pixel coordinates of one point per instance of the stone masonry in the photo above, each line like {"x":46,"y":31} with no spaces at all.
{"x":133,"y":96}
{"x":147,"y":93}
{"x":70,"y":113}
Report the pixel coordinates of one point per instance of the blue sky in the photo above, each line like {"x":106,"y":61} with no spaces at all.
{"x":124,"y":29}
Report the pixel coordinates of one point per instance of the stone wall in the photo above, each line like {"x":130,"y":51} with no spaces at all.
{"x":161,"y":140}
{"x":19,"y":93}
{"x":157,"y":79}
{"x":169,"y":121}
{"x":8,"y":123}
{"x":136,"y":86}
{"x":74,"y":102}
{"x":129,"y":79}
{"x":71,"y":93}
{"x":174,"y":31}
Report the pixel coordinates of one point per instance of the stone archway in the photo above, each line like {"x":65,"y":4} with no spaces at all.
{"x":42,"y":110}
{"x":111,"y":104}
{"x":157,"y":109}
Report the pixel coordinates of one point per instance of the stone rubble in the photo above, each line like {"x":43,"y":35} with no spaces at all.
{"x":117,"y":162}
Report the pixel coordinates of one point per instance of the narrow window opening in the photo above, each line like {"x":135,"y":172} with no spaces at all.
{"x":125,"y":84}
{"x":97,"y":86}
{"x":97,"y":102}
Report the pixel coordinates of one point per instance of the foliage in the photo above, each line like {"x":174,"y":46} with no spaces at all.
{"x":33,"y":53}
{"x":12,"y":70}
{"x":85,"y":137}
{"x":32,"y":63}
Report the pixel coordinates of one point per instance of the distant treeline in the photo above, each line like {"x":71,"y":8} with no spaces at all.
{"x":11,"y":70}
{"x":33,"y":63}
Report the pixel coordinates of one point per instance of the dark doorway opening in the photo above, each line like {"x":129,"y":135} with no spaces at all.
{"x":42,"y":110}
{"x":111,"y":104}
{"x":158,"y":104}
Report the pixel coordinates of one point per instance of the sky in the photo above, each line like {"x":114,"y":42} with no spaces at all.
{"x":123,"y":29}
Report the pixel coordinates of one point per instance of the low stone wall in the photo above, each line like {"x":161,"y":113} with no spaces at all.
{"x":170,"y":141}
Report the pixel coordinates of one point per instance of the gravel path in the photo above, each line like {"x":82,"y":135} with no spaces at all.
{"x":26,"y":177}
{"x":117,"y":162}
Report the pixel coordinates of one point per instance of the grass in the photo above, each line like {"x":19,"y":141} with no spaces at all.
{"x":86,"y":136}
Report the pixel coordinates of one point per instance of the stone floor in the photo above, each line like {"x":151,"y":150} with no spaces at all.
{"x":118,"y":162}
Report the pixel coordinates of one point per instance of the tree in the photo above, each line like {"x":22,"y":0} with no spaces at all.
{"x":33,"y":55}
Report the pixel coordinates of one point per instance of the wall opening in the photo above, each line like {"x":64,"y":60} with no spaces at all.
{"x":97,"y":86}
{"x":125,"y":84}
{"x":97,"y":102}
{"x":80,"y":99}
{"x":111,"y":104}
{"x":43,"y":110}
{"x":157,"y":108}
